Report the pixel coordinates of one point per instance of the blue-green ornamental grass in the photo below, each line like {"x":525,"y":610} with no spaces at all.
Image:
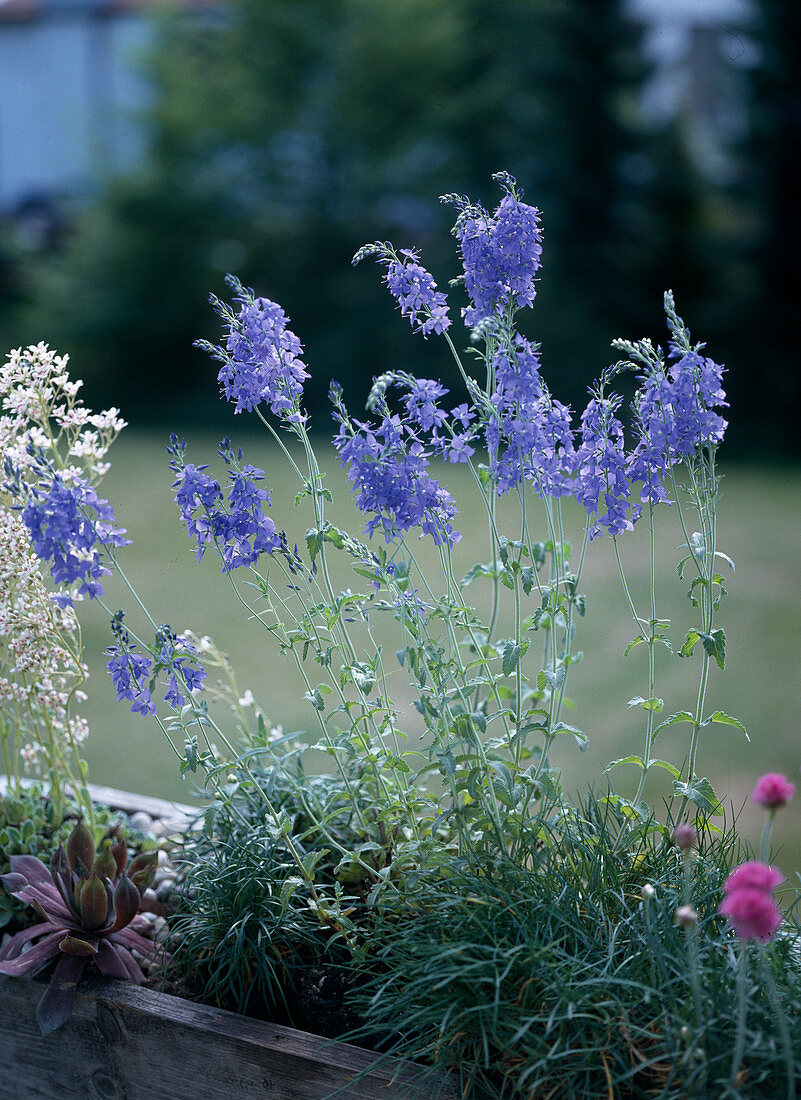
{"x":535,"y":947}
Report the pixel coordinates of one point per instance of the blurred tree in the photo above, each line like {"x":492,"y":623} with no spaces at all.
{"x":771,"y":232}
{"x":285,"y":135}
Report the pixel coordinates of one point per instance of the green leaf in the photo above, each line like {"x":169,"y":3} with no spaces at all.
{"x":667,"y":766}
{"x":632,"y":810}
{"x":553,"y":679}
{"x":626,"y":760}
{"x":363,"y":678}
{"x":675,"y":720}
{"x":699,"y":791}
{"x":579,"y":735}
{"x":288,"y":888}
{"x":715,"y":646}
{"x":314,"y":542}
{"x":721,"y":718}
{"x":632,"y":644}
{"x":511,"y":656}
{"x":691,"y":640}
{"x":310,"y":861}
{"x":646,"y":704}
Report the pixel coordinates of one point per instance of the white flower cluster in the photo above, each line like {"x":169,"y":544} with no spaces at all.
{"x":40,"y":658}
{"x":40,"y":406}
{"x":40,"y":666}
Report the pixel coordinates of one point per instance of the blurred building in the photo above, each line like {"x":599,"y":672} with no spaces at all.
{"x":70,"y":90}
{"x":699,"y":51}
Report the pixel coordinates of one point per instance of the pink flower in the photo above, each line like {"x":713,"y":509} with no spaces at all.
{"x":773,"y":790}
{"x":752,"y":913}
{"x":753,"y":876}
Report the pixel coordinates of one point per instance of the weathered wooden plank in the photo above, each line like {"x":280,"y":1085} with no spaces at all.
{"x":129,"y":803}
{"x":128,"y":1043}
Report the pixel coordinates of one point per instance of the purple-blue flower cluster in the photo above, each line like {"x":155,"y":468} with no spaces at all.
{"x":236,"y":524}
{"x":601,"y":484}
{"x":263,"y":361}
{"x":528,"y":433}
{"x":501,"y":254}
{"x":69,"y":525}
{"x":412,"y":287}
{"x":134,"y":674}
{"x":388,"y":469}
{"x":675,"y":412}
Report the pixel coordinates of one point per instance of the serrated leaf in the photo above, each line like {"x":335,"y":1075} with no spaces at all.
{"x":478,"y":570}
{"x":666,"y":766}
{"x":626,"y":760}
{"x":646,"y":704}
{"x":675,"y":720}
{"x":314,"y":542}
{"x":511,"y":656}
{"x":553,"y":679}
{"x":630,"y":809}
{"x":288,"y":888}
{"x":721,"y":718}
{"x":715,"y":646}
{"x":579,"y":735}
{"x":363,"y":678}
{"x":691,"y":640}
{"x":699,"y":791}
{"x":632,"y":644}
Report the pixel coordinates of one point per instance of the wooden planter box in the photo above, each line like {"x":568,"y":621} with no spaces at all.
{"x":125,"y":1042}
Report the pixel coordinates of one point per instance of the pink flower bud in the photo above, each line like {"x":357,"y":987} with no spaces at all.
{"x":773,"y":790}
{"x":686,"y":916}
{"x":684,"y":837}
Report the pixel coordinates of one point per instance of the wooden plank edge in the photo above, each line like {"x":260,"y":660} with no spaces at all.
{"x":158,"y":808}
{"x":379,"y":1069}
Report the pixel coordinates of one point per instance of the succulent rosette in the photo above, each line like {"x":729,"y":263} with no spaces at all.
{"x":89,"y":902}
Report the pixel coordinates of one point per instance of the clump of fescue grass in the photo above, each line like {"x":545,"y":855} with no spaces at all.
{"x":563,"y":978}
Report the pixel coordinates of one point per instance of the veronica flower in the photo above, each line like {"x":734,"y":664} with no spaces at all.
{"x":676,"y":415}
{"x":236,"y":522}
{"x":501,"y":253}
{"x":133,"y":673}
{"x":601,"y":484}
{"x":412,"y":287}
{"x":68,"y":524}
{"x":261,"y":358}
{"x":387,"y":467}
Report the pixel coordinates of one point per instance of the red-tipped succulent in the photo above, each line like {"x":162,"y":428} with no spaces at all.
{"x":89,"y":902}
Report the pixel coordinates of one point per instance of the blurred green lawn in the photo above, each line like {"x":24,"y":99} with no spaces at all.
{"x":760,"y":528}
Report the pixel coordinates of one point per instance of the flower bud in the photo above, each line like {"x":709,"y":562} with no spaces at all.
{"x":684,"y":837}
{"x":647,"y":892}
{"x":685,"y":916}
